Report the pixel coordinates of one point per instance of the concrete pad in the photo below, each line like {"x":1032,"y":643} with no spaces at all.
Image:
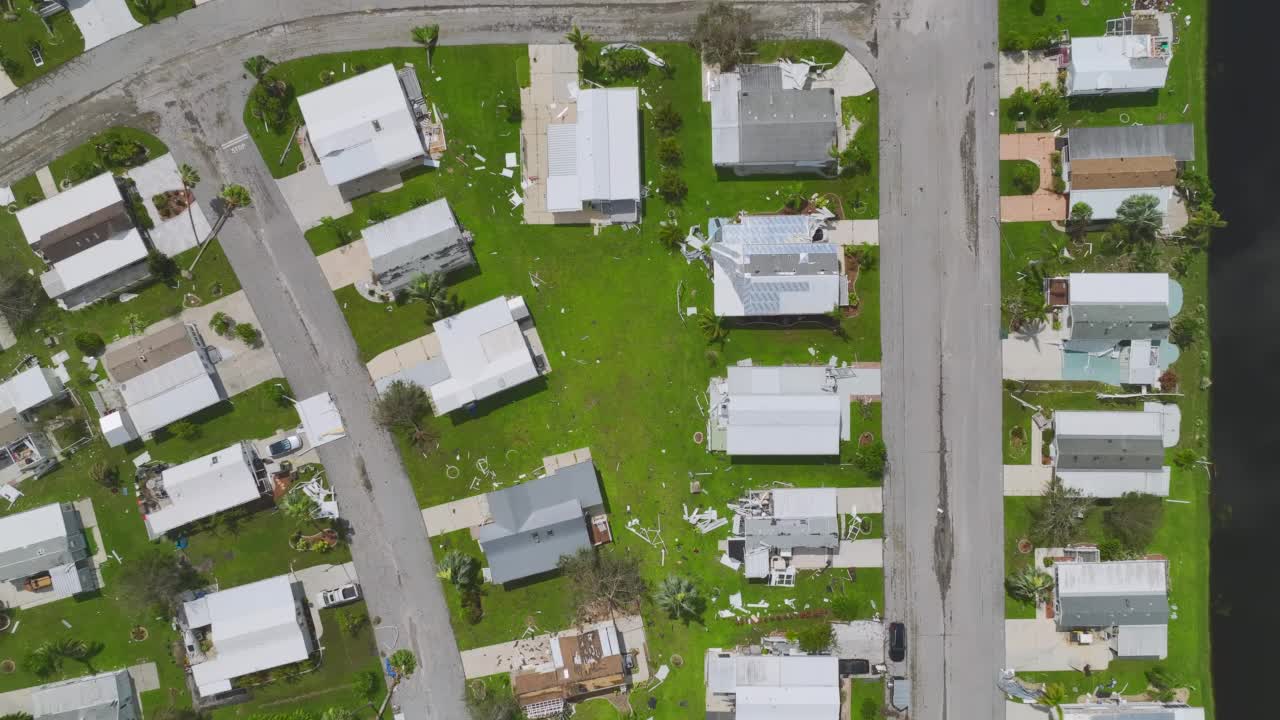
{"x":868,"y":500}
{"x":860,"y":640}
{"x":323,"y":577}
{"x":346,"y":265}
{"x":1026,"y":480}
{"x":859,"y":554}
{"x":6,"y":85}
{"x":506,"y":657}
{"x":1033,"y":357}
{"x":146,"y":677}
{"x":1036,"y":645}
{"x":310,"y":197}
{"x":849,"y":78}
{"x":16,"y":701}
{"x":7,"y":338}
{"x":101,"y":20}
{"x":633,"y":638}
{"x":45,"y":177}
{"x":457,"y":515}
{"x":1029,"y":69}
{"x":404,"y":356}
{"x":855,"y":232}
{"x":174,"y":235}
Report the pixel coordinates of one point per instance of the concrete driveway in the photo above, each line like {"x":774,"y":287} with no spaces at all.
{"x":1029,"y":69}
{"x":310,"y":196}
{"x":174,"y":235}
{"x":403,"y":357}
{"x":1036,"y":645}
{"x":240,"y":367}
{"x":317,"y":578}
{"x":859,"y":554}
{"x":346,"y":265}
{"x":1043,"y":205}
{"x":101,"y":20}
{"x":1026,"y":480}
{"x":457,"y":515}
{"x":1033,"y":357}
{"x":865,"y":499}
{"x":860,"y":640}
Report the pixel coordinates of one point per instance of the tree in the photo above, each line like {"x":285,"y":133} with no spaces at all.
{"x":425,"y":439}
{"x":90,"y":344}
{"x":299,"y":507}
{"x":1186,"y":329}
{"x":257,"y":66}
{"x":712,"y":326}
{"x":351,"y":621}
{"x":162,"y":266}
{"x":492,"y":703}
{"x":404,"y":663}
{"x":248,"y":334}
{"x":577,"y":39}
{"x":364,"y":685}
{"x":235,"y":196}
{"x":817,"y":638}
{"x":669,"y":152}
{"x":1081,"y":216}
{"x":190,"y":177}
{"x":104,"y":474}
{"x":432,"y":290}
{"x":670,"y":235}
{"x":1140,"y":215}
{"x":1048,"y":104}
{"x":460,"y":569}
{"x":427,"y":36}
{"x":153,"y":579}
{"x":21,"y":297}
{"x":672,"y":187}
{"x":1059,"y":515}
{"x":1200,"y":226}
{"x":1053,"y":696}
{"x":666,"y":119}
{"x":680,"y":598}
{"x":1195,"y":190}
{"x":339,"y":231}
{"x":854,"y":159}
{"x":1029,"y":583}
{"x":117,"y":152}
{"x":1019,"y":103}
{"x":185,"y":430}
{"x":1133,"y":519}
{"x":605,"y":580}
{"x":871,"y":459}
{"x":401,"y":405}
{"x":269,"y":101}
{"x":723,"y":35}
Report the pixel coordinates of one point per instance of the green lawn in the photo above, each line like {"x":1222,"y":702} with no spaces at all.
{"x":1019,"y":177}
{"x":1022,"y":21}
{"x":82,"y":162}
{"x":59,"y":42}
{"x":820,"y":51}
{"x":867,"y":701}
{"x":158,"y":10}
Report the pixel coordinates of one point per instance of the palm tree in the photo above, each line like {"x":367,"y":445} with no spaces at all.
{"x":432,"y":290}
{"x":578,"y":39}
{"x":1053,"y":696}
{"x":1141,"y":216}
{"x":1081,"y":216}
{"x":679,"y":597}
{"x":257,"y":66}
{"x":427,"y":36}
{"x":190,"y":177}
{"x":460,"y":569}
{"x":299,"y":507}
{"x":340,"y":231}
{"x":670,"y":235}
{"x":235,"y":196}
{"x":1030,"y":584}
{"x":712,"y":326}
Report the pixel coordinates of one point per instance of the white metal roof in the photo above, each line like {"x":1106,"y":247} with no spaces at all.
{"x":411,"y":236}
{"x":254,"y":627}
{"x":170,"y":392}
{"x":563,"y":193}
{"x":789,"y":503}
{"x":485,"y":351}
{"x":203,"y":487}
{"x":1111,"y":578}
{"x":32,"y":527}
{"x":1146,"y":641}
{"x":1106,"y":202}
{"x":29,"y":388}
{"x":781,"y":411}
{"x":1119,"y":288}
{"x":1114,"y":483}
{"x":609,"y":144}
{"x":108,"y":256}
{"x":1129,"y":711}
{"x":794,"y":687}
{"x":320,"y":419}
{"x":98,"y":697}
{"x":1126,"y":63}
{"x":724,"y":119}
{"x":1108,"y":423}
{"x":361,"y":125}
{"x":68,"y":206}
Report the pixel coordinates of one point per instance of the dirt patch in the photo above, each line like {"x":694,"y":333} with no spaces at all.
{"x":7,"y":666}
{"x":139,"y":634}
{"x":1017,"y":438}
{"x":1025,"y":546}
{"x":865,"y":439}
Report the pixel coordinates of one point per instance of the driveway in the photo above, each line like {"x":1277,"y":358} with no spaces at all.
{"x":346,"y":265}
{"x":855,"y":232}
{"x":1044,"y":205}
{"x":310,"y":196}
{"x":1037,"y":646}
{"x":457,"y":515}
{"x":859,"y":554}
{"x":317,"y":578}
{"x":860,"y":640}
{"x":174,"y":235}
{"x":1033,"y":357}
{"x":1028,"y":69}
{"x":101,"y":20}
{"x":866,"y":500}
{"x":1026,"y":480}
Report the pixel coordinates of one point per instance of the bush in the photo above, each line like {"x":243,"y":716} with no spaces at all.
{"x":846,"y":607}
{"x":271,"y":101}
{"x":817,"y":638}
{"x":90,"y":344}
{"x":221,"y":323}
{"x":162,"y":266}
{"x":1186,"y":329}
{"x":1133,"y":520}
{"x":352,"y":621}
{"x":669,"y":152}
{"x":672,"y":187}
{"x":184,"y":430}
{"x":666,"y":120}
{"x":1110,"y":549}
{"x":1185,"y":457}
{"x":1059,"y":185}
{"x":1025,"y":177}
{"x":105,"y":475}
{"x":377,"y":214}
{"x":623,"y":65}
{"x":117,"y":153}
{"x":871,"y":459}
{"x":248,"y":334}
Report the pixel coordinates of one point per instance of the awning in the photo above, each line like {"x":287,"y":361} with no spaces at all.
{"x":320,"y":419}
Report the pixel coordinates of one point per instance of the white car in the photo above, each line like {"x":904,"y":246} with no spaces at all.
{"x":284,"y":446}
{"x":348,"y":593}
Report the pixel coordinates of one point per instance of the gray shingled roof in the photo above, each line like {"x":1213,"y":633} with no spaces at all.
{"x":1110,"y":453}
{"x":1087,"y":611}
{"x":537,"y":522}
{"x":1177,"y":141}
{"x":784,"y":126}
{"x":790,"y":533}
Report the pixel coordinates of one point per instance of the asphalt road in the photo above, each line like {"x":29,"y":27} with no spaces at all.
{"x":940,"y":298}
{"x":182,"y":81}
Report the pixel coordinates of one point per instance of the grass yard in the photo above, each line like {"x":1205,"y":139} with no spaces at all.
{"x":153,"y":11}
{"x":823,"y":52}
{"x":59,"y":41}
{"x":628,"y":368}
{"x":83,"y":161}
{"x":867,"y":700}
{"x":1019,"y":177}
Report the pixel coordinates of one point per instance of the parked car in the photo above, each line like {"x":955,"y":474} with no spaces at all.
{"x":897,"y":642}
{"x":348,"y":593}
{"x":280,"y":448}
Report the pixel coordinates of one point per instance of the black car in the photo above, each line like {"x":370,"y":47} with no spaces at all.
{"x":897,"y":642}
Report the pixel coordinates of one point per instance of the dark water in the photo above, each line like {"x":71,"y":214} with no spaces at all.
{"x":1244,"y":292}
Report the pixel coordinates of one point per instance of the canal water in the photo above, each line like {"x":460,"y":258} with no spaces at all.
{"x":1244,"y":311}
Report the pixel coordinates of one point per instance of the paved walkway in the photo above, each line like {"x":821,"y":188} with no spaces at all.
{"x":346,"y":265}
{"x":457,"y":515}
{"x":47,"y":186}
{"x":1029,"y":69}
{"x":1036,"y":645}
{"x":855,"y":232}
{"x":849,"y":78}
{"x":1044,"y":205}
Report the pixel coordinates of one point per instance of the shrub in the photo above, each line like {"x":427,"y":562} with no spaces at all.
{"x":352,"y":621}
{"x":1059,"y":185}
{"x":817,"y":638}
{"x":377,"y":214}
{"x":623,"y":65}
{"x":184,"y":430}
{"x":871,"y":459}
{"x":90,"y":344}
{"x":248,"y":334}
{"x":846,"y":607}
{"x":116,"y":152}
{"x":105,"y":475}
{"x":666,"y":120}
{"x":669,"y":152}
{"x":221,"y":323}
{"x":1025,"y":177}
{"x":1169,"y":380}
{"x":1185,"y":457}
{"x":162,"y":266}
{"x":672,"y":187}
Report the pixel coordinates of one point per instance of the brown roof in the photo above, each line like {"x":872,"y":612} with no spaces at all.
{"x":83,"y":233}
{"x":1134,"y":172}
{"x":584,"y":672}
{"x":128,"y":362}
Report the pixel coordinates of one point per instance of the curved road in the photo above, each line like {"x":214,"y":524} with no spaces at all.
{"x":940,"y":287}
